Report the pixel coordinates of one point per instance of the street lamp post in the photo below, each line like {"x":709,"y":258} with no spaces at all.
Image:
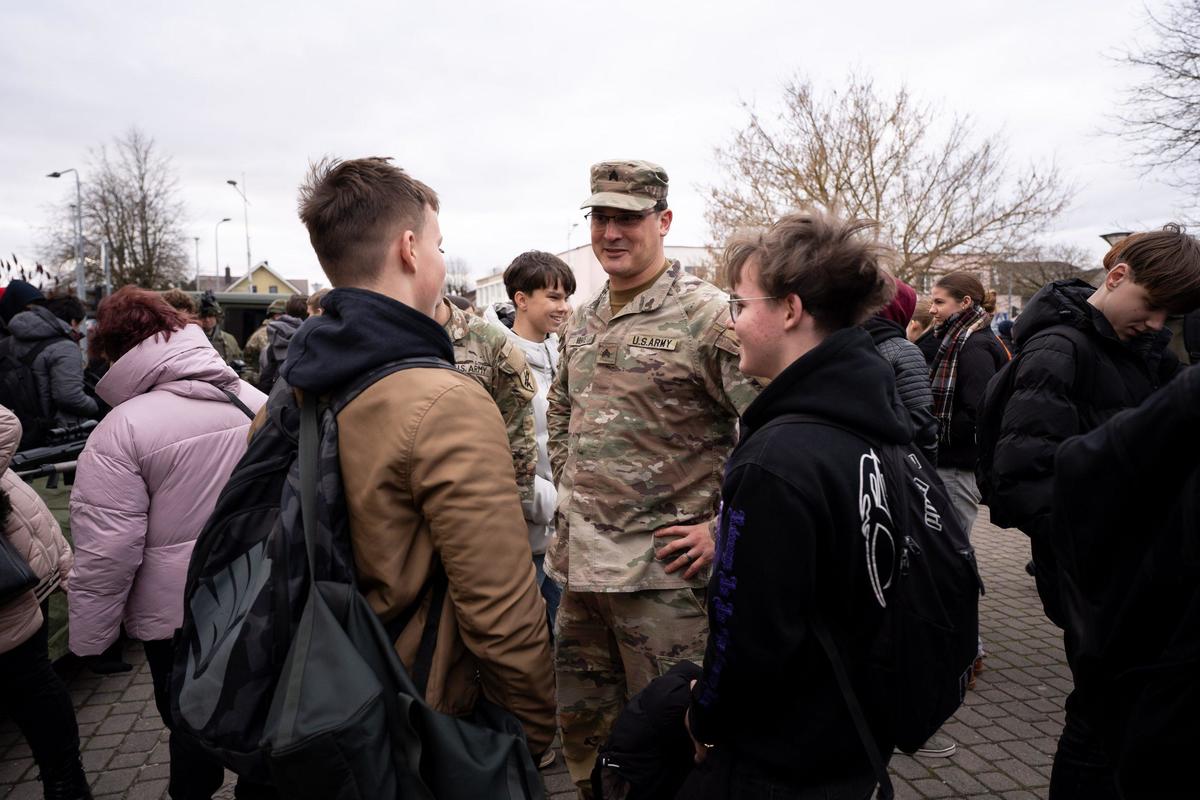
{"x":216,"y":249}
{"x":245,"y":217}
{"x":1113,"y":238}
{"x":80,"y":289}
{"x":196,"y":239}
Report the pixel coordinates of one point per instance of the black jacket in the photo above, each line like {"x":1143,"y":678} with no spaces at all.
{"x":1058,"y":392}
{"x":1127,"y":535}
{"x":981,"y":357}
{"x":791,"y":543}
{"x":912,"y":380}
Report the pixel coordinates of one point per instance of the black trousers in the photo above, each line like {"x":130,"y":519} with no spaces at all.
{"x":1082,"y":767}
{"x":195,"y":775}
{"x":724,"y":776}
{"x":36,"y":698}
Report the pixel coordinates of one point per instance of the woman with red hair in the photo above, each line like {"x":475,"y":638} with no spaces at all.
{"x":146,"y":482}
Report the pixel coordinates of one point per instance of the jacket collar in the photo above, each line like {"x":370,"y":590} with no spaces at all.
{"x":645,"y":302}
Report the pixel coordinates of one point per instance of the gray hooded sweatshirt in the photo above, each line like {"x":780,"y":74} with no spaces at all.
{"x":58,"y":368}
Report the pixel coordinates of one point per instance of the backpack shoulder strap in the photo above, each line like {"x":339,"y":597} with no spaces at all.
{"x":36,"y":350}
{"x":878,"y":764}
{"x":233,"y":398}
{"x":344,"y":396}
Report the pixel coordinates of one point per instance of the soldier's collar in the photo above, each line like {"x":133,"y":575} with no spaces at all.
{"x":648,"y":300}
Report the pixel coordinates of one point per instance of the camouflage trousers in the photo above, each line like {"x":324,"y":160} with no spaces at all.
{"x":608,"y":646}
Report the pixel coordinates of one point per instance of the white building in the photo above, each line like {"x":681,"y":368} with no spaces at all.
{"x":490,"y":290}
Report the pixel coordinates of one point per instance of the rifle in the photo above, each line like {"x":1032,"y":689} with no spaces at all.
{"x":56,"y":456}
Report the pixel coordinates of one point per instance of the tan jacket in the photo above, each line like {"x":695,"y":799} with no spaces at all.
{"x":35,"y":535}
{"x":426,"y":468}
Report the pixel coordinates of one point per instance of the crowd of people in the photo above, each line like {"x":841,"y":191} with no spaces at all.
{"x":663,"y":497}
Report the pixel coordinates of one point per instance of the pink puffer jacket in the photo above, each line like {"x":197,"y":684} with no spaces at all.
{"x":35,"y":535}
{"x":146,"y":483}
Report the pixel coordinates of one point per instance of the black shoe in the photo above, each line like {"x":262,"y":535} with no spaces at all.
{"x":69,"y":784}
{"x":1031,"y":568}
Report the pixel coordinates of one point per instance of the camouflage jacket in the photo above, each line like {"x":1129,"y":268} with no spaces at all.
{"x":253,"y":352}
{"x":485,"y":352}
{"x":225,"y":344}
{"x":643,"y":413}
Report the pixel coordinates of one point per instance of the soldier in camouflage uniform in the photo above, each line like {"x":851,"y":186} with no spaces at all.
{"x":258,"y":341}
{"x":642,"y":416}
{"x":210,"y":320}
{"x":484,"y":352}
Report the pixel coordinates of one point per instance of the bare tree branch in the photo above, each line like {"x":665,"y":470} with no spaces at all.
{"x":873,"y":156}
{"x":130,"y":202}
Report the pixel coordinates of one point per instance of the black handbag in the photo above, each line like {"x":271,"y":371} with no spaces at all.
{"x":16,"y":577}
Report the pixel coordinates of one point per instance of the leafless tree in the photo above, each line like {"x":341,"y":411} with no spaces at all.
{"x":130,"y":202}
{"x":1037,"y":266}
{"x":870,"y":155}
{"x":1161,"y":113}
{"x":458,"y":276}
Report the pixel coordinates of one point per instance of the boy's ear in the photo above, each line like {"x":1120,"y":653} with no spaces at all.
{"x":1116,"y":275}
{"x":519,"y":299}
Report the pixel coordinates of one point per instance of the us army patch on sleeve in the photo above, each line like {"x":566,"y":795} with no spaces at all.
{"x":654,"y":342}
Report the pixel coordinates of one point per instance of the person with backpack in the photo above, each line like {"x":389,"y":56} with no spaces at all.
{"x":279,"y":334}
{"x":968,"y":355}
{"x":31,"y":692}
{"x":425,"y":462}
{"x":146,"y":481}
{"x":43,"y":349}
{"x":809,"y":512}
{"x":1126,"y":531}
{"x":1084,"y":354}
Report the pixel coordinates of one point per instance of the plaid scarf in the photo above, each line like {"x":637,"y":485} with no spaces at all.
{"x":944,"y":370}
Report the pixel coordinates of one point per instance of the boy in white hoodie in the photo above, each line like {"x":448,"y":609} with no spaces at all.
{"x":540,"y":286}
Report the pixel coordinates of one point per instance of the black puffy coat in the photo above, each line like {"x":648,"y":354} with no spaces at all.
{"x":1126,"y":530}
{"x":981,"y":357}
{"x":1060,"y":392}
{"x":912,"y":380}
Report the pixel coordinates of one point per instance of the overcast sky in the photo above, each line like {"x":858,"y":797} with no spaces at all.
{"x":501,"y":107}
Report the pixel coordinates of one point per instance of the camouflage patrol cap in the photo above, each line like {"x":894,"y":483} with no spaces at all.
{"x":627,"y":185}
{"x":277,"y":306}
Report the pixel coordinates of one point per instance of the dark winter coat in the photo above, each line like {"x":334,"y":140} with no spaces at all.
{"x":58,"y":368}
{"x":912,"y":380}
{"x":980,"y":358}
{"x":279,"y":335}
{"x":1059,"y":392}
{"x":1127,"y":534}
{"x":790,"y":544}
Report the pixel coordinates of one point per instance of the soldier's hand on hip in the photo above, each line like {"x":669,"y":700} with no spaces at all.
{"x":693,"y":548}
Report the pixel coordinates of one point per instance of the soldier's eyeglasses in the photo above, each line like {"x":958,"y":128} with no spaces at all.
{"x":735,"y":304}
{"x":600,"y":221}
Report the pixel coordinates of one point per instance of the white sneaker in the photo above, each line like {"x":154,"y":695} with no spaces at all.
{"x":938,"y":746}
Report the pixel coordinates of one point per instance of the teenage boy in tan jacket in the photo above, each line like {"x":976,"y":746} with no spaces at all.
{"x":425,"y":459}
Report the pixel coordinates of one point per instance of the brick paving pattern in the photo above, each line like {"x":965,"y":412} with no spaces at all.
{"x":1006,"y":732}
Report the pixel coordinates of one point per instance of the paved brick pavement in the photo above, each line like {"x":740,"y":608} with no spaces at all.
{"x":1006,"y":732}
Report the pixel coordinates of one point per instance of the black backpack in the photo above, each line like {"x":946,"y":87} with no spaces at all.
{"x":282,"y":670}
{"x":19,"y":391}
{"x":991,"y":415}
{"x":924,"y":651}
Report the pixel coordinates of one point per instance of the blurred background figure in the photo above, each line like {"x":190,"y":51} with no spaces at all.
{"x":31,"y":692}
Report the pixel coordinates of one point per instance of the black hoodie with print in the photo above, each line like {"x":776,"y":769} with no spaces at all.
{"x":791,"y":541}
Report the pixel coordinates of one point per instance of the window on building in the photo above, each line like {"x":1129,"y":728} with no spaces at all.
{"x":272,"y":290}
{"x":253,"y":289}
